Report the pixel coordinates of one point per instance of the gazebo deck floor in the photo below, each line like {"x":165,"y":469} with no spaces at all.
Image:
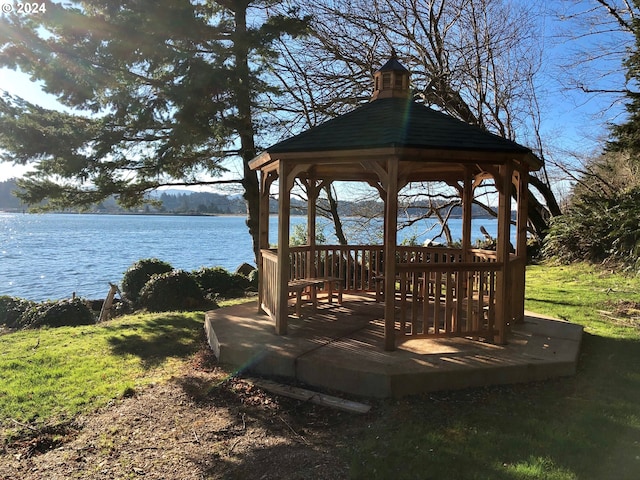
{"x":340,"y":348}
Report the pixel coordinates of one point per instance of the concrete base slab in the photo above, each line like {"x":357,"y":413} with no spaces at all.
{"x":340,"y":348}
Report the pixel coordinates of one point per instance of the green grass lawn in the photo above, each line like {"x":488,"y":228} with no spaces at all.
{"x":50,"y":375}
{"x":582,"y":427}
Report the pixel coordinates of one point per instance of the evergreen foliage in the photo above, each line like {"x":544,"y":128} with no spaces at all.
{"x":602,"y":223}
{"x":72,"y":312}
{"x":174,"y":290}
{"x":240,"y":283}
{"x":138,"y":274}
{"x":157,"y":93}
{"x":626,"y":136}
{"x":218,"y":281}
{"x":11,"y":309}
{"x":213,"y":280}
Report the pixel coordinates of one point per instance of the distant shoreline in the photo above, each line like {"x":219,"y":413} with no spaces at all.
{"x":190,"y":214}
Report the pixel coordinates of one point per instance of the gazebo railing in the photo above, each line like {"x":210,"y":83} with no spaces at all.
{"x":455,"y":299}
{"x":361,"y":266}
{"x":439,"y":291}
{"x":269,"y":287}
{"x":356,"y":265}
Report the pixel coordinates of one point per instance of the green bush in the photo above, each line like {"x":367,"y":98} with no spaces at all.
{"x":122,"y":307}
{"x":175,"y":290}
{"x":11,"y":309}
{"x":598,"y":228}
{"x":215,"y":281}
{"x":299,"y":235}
{"x":239,"y":282}
{"x":59,"y":313}
{"x":139,"y":274}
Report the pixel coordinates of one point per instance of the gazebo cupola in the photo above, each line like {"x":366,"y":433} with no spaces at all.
{"x":391,"y":80}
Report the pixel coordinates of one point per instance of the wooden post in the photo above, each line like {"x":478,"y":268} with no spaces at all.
{"x":105,"y":311}
{"x":521,"y":243}
{"x":390,"y":240}
{"x":503,"y":303}
{"x":467,"y":214}
{"x":313,"y":191}
{"x":265,"y":185}
{"x":284,"y":213}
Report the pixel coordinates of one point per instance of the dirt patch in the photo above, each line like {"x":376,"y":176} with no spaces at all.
{"x":626,"y":308}
{"x":623,"y":312}
{"x":196,"y":426}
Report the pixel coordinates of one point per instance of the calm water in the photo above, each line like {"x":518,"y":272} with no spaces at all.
{"x":51,"y":256}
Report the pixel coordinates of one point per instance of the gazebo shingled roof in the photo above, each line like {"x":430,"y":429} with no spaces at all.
{"x":398,"y":122}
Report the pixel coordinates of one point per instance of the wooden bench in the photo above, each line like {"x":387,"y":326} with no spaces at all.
{"x":310,"y":286}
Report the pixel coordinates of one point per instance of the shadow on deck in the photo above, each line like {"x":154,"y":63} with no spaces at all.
{"x":340,"y":347}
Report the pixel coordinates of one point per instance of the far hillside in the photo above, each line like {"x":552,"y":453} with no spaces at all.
{"x":8,"y":201}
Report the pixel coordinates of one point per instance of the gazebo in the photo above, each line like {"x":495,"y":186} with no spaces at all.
{"x":428,"y":291}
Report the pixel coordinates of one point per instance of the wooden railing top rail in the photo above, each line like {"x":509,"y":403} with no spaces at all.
{"x":273,"y":254}
{"x":448,"y":267}
{"x":304,"y":248}
{"x":481,"y":252}
{"x":477,"y":252}
{"x":400,"y":248}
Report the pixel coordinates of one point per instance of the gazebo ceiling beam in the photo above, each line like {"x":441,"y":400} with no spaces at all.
{"x":381,"y":191}
{"x":380,"y":171}
{"x":370,"y":169}
{"x":371,"y":178}
{"x":295,"y":172}
{"x":402,"y":153}
{"x":457,"y":185}
{"x":373,"y":172}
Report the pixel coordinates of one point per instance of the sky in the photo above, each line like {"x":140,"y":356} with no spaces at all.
{"x":572,"y":119}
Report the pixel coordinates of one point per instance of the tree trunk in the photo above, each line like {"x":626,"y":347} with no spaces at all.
{"x":245,"y":126}
{"x":333,"y":211}
{"x":539,"y":215}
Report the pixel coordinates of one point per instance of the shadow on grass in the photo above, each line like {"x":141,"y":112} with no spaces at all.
{"x":291,"y":460}
{"x":157,"y":339}
{"x":565,"y":303}
{"x":585,"y":426}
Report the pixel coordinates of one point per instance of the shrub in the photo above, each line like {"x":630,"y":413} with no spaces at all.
{"x":57,"y":314}
{"x":122,"y":307}
{"x":216,"y":280}
{"x":299,"y":235}
{"x":11,"y":309}
{"x":139,"y":274}
{"x":175,"y":290}
{"x":598,"y":228}
{"x":239,"y":282}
